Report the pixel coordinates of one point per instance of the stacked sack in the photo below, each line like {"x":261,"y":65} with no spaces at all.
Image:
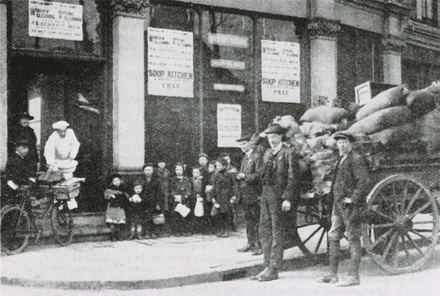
{"x":317,"y":126}
{"x":398,"y":115}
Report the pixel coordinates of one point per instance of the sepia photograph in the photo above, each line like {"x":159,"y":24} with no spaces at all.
{"x":219,"y":147}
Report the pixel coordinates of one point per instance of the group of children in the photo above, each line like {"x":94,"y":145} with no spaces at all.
{"x":165,"y":203}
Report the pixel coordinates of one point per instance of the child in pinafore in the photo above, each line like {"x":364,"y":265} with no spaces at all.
{"x":137,"y":205}
{"x":117,"y":199}
{"x":180,"y":193}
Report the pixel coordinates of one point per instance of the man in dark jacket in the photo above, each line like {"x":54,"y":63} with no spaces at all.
{"x":279,"y":189}
{"x":250,"y":191}
{"x":350,"y":188}
{"x":22,"y":131}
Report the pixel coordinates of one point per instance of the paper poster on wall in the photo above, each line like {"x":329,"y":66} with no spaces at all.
{"x":170,"y":63}
{"x":55,"y":20}
{"x":280,"y":71}
{"x":228,"y":125}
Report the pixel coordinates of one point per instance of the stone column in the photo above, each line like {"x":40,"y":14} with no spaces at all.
{"x":3,"y":86}
{"x":128,"y":85}
{"x":323,"y":60}
{"x":392,"y":60}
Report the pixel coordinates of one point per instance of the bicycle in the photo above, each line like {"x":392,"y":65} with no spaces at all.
{"x":17,"y":226}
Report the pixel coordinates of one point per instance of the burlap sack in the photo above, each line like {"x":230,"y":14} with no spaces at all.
{"x":428,"y":130}
{"x":389,"y":98}
{"x":396,"y":134}
{"x":352,"y":109}
{"x":381,"y":120}
{"x":324,"y":114}
{"x":421,"y":101}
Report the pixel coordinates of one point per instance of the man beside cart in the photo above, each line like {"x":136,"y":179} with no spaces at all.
{"x":279,"y":178}
{"x":350,"y":188}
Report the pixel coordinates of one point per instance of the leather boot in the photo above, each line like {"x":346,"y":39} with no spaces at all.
{"x":355,"y":261}
{"x":246,"y":248}
{"x":270,"y":275}
{"x":258,"y":250}
{"x":257,"y":276}
{"x":332,"y":275}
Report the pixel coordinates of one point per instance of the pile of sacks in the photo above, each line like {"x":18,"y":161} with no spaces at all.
{"x":398,"y":115}
{"x":315,"y":146}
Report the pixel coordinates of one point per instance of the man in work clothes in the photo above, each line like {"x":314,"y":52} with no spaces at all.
{"x":280,"y":187}
{"x":250,"y":190}
{"x":350,"y":189}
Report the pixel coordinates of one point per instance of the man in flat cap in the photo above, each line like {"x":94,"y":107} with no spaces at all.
{"x":62,"y":146}
{"x":22,"y":131}
{"x":350,"y":189}
{"x":250,"y":191}
{"x":279,"y":178}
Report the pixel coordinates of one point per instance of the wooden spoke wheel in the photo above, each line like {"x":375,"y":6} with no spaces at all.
{"x":401,"y":229}
{"x":313,"y":221}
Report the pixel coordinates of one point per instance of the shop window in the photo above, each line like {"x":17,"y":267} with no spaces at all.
{"x":34,"y":27}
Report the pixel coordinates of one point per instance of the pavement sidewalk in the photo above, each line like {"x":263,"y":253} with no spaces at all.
{"x":137,"y":264}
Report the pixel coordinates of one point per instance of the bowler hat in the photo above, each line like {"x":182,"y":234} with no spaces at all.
{"x":274,"y":128}
{"x":245,"y":137}
{"x":25,"y":115}
{"x":24,"y":143}
{"x":344,"y":135}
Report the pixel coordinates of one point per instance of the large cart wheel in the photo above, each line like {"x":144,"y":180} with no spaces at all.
{"x":15,"y":230}
{"x":402,"y":224}
{"x":62,"y":223}
{"x":313,"y":221}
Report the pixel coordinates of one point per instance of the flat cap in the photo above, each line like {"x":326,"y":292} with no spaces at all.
{"x":25,"y":115}
{"x":60,"y":125}
{"x":203,"y":155}
{"x":24,"y":143}
{"x":274,"y":128}
{"x":344,"y":135}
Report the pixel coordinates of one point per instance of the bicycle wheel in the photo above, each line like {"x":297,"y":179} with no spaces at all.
{"x":62,"y":223}
{"x":15,"y":230}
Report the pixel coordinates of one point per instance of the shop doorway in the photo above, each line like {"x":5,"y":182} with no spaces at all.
{"x":52,"y":90}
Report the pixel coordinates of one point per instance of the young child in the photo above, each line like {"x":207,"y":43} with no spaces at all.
{"x":137,"y":205}
{"x":224,"y":193}
{"x":180,"y":193}
{"x":153,"y":199}
{"x":198,"y":189}
{"x":116,"y":196}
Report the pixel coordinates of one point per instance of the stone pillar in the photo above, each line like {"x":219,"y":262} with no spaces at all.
{"x":3,"y":86}
{"x":128,"y":85}
{"x":323,"y":60}
{"x":392,"y":60}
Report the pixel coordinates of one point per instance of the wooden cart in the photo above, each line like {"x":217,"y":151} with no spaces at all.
{"x":401,"y":226}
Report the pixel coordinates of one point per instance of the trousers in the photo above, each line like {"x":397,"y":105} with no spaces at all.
{"x":271,"y":228}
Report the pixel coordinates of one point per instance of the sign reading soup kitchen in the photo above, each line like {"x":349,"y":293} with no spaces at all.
{"x":280,"y":71}
{"x":55,"y":20}
{"x":170,"y":63}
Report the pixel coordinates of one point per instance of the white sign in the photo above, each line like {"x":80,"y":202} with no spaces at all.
{"x":170,"y":63}
{"x":228,"y":125}
{"x":55,"y":20}
{"x":280,"y":71}
{"x":228,"y":40}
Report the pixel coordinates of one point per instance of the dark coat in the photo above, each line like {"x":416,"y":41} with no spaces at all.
{"x":284,"y":176}
{"x":164,"y":179}
{"x":152,"y":195}
{"x":19,"y":169}
{"x":224,"y":187}
{"x":351,"y":180}
{"x":250,"y":186}
{"x":181,"y":187}
{"x":121,"y":196}
{"x":25,"y":133}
